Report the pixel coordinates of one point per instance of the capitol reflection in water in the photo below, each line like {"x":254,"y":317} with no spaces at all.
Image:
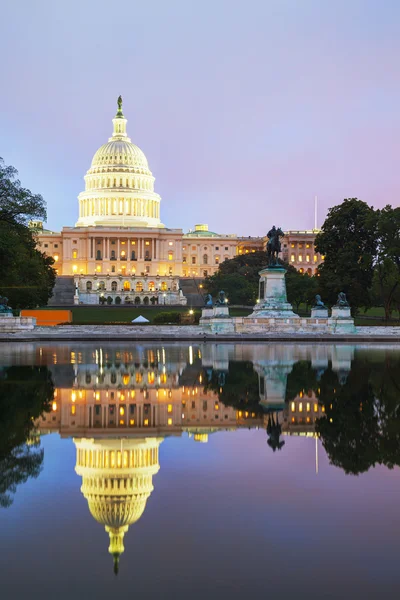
{"x":118,"y":404}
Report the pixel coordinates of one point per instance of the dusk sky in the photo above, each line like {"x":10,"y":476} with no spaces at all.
{"x":245,"y":110}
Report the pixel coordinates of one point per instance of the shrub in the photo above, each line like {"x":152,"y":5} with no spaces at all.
{"x":109,"y":300}
{"x":146,"y":300}
{"x":102,"y":300}
{"x":167,"y":317}
{"x":117,"y":300}
{"x":137,"y":300}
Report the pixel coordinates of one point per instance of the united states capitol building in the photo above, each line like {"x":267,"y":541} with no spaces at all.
{"x":119,"y":247}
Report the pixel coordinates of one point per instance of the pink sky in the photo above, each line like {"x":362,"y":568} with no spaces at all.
{"x":245,"y":111}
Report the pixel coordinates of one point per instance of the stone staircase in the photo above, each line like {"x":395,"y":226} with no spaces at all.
{"x":63,"y":292}
{"x":191,"y":291}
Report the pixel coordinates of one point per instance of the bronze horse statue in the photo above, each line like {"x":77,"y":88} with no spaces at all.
{"x":274,"y":245}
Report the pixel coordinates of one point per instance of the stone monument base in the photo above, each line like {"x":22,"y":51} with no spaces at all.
{"x":11,"y":324}
{"x":341,"y":320}
{"x":319,"y":313}
{"x":217,"y":319}
{"x":273,"y":301}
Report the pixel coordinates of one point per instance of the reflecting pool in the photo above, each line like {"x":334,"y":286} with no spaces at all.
{"x":176,"y":471}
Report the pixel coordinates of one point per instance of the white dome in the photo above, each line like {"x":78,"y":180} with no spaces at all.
{"x":120,"y":154}
{"x":119,"y":186}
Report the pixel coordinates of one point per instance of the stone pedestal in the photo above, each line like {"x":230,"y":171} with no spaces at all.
{"x":206,"y":315}
{"x":341,"y":320}
{"x":11,"y":324}
{"x":272,"y":294}
{"x":76,"y":299}
{"x":319,"y":313}
{"x":221,"y":311}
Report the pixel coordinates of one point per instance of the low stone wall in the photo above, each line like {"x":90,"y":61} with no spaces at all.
{"x":217,"y":320}
{"x":10,"y":324}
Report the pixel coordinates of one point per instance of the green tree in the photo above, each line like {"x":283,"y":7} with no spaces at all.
{"x":300,"y":287}
{"x":27,"y":275}
{"x":385,"y":289}
{"x":348,"y":241}
{"x":25,"y":393}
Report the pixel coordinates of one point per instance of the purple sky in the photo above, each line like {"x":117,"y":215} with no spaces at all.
{"x":245,"y":110}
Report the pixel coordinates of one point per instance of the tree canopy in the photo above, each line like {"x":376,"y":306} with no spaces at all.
{"x":27,"y":276}
{"x":348,"y":242}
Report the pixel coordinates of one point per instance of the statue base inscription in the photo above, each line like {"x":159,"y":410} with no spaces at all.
{"x":272,"y":294}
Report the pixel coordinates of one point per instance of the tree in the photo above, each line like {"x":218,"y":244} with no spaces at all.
{"x":25,"y":393}
{"x":348,"y":242}
{"x":27,"y":275}
{"x":17,"y":204}
{"x":236,"y":287}
{"x":385,"y":287}
{"x":300,"y":287}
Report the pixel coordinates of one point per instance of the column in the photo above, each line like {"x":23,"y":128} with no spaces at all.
{"x":158,"y":249}
{"x":104,"y":248}
{"x":153,"y":248}
{"x":118,"y":250}
{"x":108,"y":247}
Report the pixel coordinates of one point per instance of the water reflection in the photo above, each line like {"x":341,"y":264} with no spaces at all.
{"x":25,"y":394}
{"x":119,"y":404}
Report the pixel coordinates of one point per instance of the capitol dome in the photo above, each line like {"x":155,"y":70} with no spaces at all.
{"x":119,"y":186}
{"x":117,"y":480}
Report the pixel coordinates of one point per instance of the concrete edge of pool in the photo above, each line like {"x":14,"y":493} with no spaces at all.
{"x":192,"y":333}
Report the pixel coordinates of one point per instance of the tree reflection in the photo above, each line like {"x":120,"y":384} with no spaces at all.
{"x":238,"y":387}
{"x":25,"y":393}
{"x":361,"y":424}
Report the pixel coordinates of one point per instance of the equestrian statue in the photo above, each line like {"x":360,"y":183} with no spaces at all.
{"x":274,"y":246}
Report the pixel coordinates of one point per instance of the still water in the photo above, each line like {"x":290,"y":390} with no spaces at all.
{"x":199,"y":471}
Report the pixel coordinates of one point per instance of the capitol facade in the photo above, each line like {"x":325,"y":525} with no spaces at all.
{"x":120,"y":250}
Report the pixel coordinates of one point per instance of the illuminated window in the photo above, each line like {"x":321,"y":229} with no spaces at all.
{"x":73,"y":396}
{"x":292,"y":258}
{"x":216,"y":406}
{"x":170,"y":243}
{"x":74,"y":253}
{"x":146,"y":422}
{"x":315,"y":407}
{"x":308,"y":407}
{"x":169,"y":408}
{"x":293,"y":406}
{"x":54,"y":406}
{"x":121,"y":411}
{"x":151,"y":377}
{"x":308,"y":258}
{"x":169,"y":421}
{"x":131,"y":421}
{"x":170,"y":255}
{"x":307,"y":245}
{"x":292,"y":245}
{"x":73,"y":409}
{"x":147,"y":243}
{"x":315,"y":258}
{"x":139,"y":378}
{"x":300,"y":407}
{"x":300,"y":258}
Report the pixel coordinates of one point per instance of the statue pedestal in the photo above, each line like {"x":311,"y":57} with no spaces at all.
{"x":319,"y":313}
{"x":341,"y":320}
{"x":272,"y":293}
{"x":76,"y":299}
{"x":339,"y":312}
{"x":221,"y":311}
{"x":206,"y":314}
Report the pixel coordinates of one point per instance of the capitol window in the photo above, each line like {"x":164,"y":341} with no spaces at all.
{"x":74,"y":253}
{"x":217,"y":260}
{"x":88,"y":286}
{"x":300,"y":258}
{"x":193,"y":260}
{"x":205,"y":259}
{"x":114,"y":286}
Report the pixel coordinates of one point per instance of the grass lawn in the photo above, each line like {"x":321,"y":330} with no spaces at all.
{"x":85,"y":315}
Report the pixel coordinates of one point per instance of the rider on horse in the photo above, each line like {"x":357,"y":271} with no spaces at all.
{"x":274,"y":245}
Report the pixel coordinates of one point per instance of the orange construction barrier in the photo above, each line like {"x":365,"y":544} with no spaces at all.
{"x":49,"y":318}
